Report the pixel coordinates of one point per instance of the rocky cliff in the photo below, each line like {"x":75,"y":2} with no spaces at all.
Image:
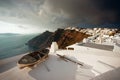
{"x":63,"y":37}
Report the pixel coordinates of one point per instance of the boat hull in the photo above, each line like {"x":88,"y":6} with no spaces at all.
{"x":32,"y":59}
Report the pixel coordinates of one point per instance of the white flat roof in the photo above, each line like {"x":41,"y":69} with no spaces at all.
{"x":93,"y":45}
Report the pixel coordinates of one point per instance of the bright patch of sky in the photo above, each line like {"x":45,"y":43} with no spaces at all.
{"x":17,"y":28}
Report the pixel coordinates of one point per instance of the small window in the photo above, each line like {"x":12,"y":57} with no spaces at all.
{"x":70,"y":48}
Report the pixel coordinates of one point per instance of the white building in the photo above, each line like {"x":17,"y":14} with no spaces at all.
{"x":54,"y":47}
{"x":91,"y":46}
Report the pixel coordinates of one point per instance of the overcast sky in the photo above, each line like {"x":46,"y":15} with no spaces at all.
{"x":40,"y":15}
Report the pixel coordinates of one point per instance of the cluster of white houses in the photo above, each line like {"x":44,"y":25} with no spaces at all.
{"x":99,"y":35}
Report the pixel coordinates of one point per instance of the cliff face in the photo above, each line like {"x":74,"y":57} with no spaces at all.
{"x":39,"y":40}
{"x":68,"y":37}
{"x":61,"y":36}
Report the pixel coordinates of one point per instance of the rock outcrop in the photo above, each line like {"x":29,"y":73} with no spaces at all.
{"x":63,"y":37}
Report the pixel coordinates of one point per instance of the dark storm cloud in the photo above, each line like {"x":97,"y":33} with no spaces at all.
{"x":110,"y":5}
{"x":86,"y":11}
{"x":57,"y":13}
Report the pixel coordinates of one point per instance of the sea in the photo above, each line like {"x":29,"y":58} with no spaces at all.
{"x":14,"y":44}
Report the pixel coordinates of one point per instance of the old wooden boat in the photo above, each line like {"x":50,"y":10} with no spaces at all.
{"x":33,"y":58}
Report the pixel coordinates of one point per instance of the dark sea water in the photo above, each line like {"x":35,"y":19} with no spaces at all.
{"x":13,"y":44}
